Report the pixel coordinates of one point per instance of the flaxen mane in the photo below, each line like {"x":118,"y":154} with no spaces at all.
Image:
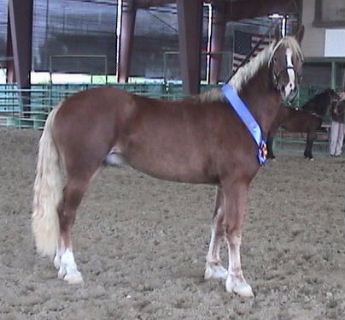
{"x":245,"y":73}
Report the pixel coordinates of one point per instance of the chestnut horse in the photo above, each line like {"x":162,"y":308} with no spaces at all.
{"x":196,"y":140}
{"x":308,"y":119}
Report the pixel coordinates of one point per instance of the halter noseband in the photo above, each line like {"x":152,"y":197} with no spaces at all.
{"x":276,"y":78}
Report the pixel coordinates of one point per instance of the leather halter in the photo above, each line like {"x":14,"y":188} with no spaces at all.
{"x":276,"y":78}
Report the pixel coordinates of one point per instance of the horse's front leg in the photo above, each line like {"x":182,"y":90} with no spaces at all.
{"x":214,"y":268}
{"x":235,"y":209}
{"x":270,"y":154}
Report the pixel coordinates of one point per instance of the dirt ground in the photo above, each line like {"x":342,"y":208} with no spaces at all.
{"x":141,"y":244}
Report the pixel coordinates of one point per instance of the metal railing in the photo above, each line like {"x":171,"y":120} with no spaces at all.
{"x":43,"y":97}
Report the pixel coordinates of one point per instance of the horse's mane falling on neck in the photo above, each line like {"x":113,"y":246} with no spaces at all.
{"x":250,"y":69}
{"x":242,"y":76}
{"x":324,"y":94}
{"x":320,"y":103}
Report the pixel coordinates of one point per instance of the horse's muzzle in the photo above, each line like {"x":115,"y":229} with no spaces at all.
{"x":291,"y":96}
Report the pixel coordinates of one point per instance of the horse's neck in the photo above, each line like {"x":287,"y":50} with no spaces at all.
{"x":319,"y":107}
{"x":262,"y":99}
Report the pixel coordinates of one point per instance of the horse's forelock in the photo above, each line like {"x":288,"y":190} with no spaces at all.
{"x":288,"y":42}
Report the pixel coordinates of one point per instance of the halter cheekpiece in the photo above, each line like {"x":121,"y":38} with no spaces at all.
{"x":247,"y":118}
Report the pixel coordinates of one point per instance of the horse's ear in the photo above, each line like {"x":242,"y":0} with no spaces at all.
{"x":299,"y":34}
{"x":277,"y":33}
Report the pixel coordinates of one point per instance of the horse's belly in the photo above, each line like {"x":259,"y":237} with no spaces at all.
{"x":190,"y":167}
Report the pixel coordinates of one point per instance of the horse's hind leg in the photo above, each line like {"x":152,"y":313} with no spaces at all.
{"x":78,"y":179}
{"x":213,"y":268}
{"x":311,"y":136}
{"x":72,"y":195}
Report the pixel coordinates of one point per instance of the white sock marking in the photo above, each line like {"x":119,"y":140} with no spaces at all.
{"x":68,"y":268}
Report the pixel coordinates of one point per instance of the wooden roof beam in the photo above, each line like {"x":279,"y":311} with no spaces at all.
{"x":248,"y":9}
{"x":145,"y":4}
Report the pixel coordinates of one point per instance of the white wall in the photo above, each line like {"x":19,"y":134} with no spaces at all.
{"x":314,"y":38}
{"x":314,"y":43}
{"x":335,"y":43}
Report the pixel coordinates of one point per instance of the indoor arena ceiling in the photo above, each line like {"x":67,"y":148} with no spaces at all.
{"x":236,"y":9}
{"x":22,"y":29}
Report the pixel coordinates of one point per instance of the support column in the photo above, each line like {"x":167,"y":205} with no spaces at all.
{"x":190,"y":35}
{"x":217,"y":41}
{"x":10,"y":76}
{"x":20,"y":16}
{"x":126,"y":40}
{"x":333,"y":75}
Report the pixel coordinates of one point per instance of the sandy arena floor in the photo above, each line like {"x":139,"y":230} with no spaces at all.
{"x":141,"y":244}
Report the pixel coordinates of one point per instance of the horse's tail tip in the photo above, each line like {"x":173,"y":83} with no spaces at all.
{"x":46,"y":235}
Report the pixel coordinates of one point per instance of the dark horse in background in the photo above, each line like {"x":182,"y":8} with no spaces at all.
{"x":195,"y":140}
{"x":308,"y":120}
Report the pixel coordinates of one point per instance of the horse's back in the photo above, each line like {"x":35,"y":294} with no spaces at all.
{"x":95,"y":103}
{"x":301,"y":121}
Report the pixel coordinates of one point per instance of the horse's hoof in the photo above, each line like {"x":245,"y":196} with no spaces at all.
{"x":242,"y":289}
{"x":62,"y":272}
{"x":74,"y":278}
{"x":311,"y":159}
{"x":57,"y":262}
{"x":215,"y":271}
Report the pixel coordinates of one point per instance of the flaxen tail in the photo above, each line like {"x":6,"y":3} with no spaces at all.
{"x":48,"y":190}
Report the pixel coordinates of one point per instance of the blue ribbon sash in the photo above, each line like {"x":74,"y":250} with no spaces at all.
{"x":247,"y":118}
